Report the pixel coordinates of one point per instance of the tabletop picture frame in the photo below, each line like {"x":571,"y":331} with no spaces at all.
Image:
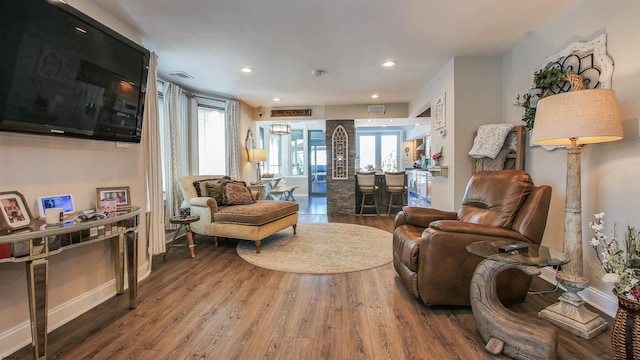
{"x":120,"y":194}
{"x":14,"y":212}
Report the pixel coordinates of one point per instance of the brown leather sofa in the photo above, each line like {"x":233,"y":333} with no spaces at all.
{"x":429,"y":250}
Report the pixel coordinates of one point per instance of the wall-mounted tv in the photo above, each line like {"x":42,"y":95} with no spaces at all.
{"x":63,"y":73}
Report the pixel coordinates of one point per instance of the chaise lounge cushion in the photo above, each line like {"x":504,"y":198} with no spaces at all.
{"x":258,"y":213}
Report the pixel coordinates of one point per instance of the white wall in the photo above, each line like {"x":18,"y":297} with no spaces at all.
{"x":38,"y":165}
{"x":473,"y":96}
{"x":609,"y":170}
{"x":442,"y":189}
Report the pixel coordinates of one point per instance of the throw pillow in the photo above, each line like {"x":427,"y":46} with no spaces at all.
{"x":236,"y":193}
{"x":489,"y":140}
{"x":201,"y":187}
{"x":214,"y":189}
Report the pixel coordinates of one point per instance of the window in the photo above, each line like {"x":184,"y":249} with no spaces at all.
{"x":297,"y":152}
{"x":379,"y":149}
{"x":212,"y":142}
{"x":286,"y":154}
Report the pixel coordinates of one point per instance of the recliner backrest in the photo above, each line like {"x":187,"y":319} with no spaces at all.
{"x":494,"y":198}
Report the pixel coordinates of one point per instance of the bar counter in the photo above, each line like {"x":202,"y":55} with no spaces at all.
{"x":383,"y":197}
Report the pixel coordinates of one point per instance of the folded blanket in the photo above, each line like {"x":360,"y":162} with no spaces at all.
{"x":490,"y":140}
{"x":488,"y":164}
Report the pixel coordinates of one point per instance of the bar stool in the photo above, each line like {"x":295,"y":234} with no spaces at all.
{"x":367,"y":186}
{"x":395,"y":186}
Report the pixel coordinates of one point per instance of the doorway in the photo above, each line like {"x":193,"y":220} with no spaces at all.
{"x":317,"y":163}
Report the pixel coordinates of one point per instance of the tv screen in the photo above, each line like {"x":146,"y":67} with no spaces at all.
{"x":63,"y":73}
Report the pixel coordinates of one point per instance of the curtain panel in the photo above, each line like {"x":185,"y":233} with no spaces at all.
{"x":153,"y":165}
{"x":233,"y":140}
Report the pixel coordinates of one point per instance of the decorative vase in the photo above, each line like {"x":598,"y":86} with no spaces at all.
{"x":625,"y":334}
{"x":437,"y":162}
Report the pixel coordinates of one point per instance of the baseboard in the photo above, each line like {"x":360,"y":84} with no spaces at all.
{"x":594,"y":297}
{"x":19,"y":336}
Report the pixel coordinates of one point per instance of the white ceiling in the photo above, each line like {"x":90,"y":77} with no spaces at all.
{"x":285,"y":40}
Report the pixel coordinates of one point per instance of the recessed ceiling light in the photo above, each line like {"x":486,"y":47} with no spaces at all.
{"x":389,"y":63}
{"x":276,"y":99}
{"x":246,"y":69}
{"x":375,"y":96}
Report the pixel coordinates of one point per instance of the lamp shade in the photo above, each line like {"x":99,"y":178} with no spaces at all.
{"x":258,"y":155}
{"x":588,"y":116}
{"x":280,"y":128}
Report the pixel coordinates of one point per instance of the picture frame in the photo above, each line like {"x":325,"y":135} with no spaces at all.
{"x":120,"y":194}
{"x":440,"y":118}
{"x":14,"y":212}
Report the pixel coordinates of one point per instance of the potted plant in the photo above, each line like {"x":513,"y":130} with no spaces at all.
{"x":544,"y":80}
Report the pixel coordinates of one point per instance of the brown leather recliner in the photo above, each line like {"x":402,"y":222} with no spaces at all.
{"x":429,"y":250}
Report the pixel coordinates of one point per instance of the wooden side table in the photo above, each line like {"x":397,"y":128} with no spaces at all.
{"x":504,"y":331}
{"x":183,"y":222}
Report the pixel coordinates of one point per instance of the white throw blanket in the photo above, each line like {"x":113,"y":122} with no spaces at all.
{"x":490,"y":140}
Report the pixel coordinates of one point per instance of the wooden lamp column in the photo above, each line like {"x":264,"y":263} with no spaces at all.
{"x":572,"y":119}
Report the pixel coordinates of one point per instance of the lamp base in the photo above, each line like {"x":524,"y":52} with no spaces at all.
{"x":570,"y":313}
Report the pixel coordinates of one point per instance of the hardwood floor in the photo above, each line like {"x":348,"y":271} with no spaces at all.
{"x":217,"y":306}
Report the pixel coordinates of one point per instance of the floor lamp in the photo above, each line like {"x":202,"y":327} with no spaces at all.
{"x":572,"y":119}
{"x":258,"y":155}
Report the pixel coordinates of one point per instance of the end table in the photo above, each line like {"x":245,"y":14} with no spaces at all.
{"x":504,"y":331}
{"x":184,"y":222}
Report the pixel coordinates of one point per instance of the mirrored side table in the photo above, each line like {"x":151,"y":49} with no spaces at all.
{"x":504,"y":331}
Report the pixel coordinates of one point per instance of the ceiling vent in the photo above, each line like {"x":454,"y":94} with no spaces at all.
{"x":376,"y":110}
{"x":181,"y":74}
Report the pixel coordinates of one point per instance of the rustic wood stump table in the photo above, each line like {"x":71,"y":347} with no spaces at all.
{"x":504,"y":331}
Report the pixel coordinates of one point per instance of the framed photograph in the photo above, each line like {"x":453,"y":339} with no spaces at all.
{"x":120,"y":195}
{"x":439,"y":110}
{"x":14,"y":213}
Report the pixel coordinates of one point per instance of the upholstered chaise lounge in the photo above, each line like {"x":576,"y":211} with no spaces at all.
{"x":252,"y":222}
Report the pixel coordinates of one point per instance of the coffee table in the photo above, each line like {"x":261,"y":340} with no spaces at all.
{"x":504,"y":331}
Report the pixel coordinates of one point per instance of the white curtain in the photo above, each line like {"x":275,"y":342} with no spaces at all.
{"x":153,"y":166}
{"x":176,"y":111}
{"x":233,"y":141}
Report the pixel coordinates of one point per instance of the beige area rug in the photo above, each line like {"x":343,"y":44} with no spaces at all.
{"x":321,"y":249}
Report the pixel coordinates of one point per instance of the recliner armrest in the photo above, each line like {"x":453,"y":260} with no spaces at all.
{"x":422,"y":217}
{"x":462,"y":227}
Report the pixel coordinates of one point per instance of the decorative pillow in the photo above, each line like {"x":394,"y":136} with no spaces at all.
{"x":201,"y":186}
{"x":214,"y":189}
{"x":236,"y":193}
{"x":489,"y":140}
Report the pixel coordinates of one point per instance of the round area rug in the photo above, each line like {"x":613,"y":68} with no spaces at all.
{"x":321,"y":249}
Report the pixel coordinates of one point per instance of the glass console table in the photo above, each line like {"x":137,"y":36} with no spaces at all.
{"x":34,"y":245}
{"x":504,"y":331}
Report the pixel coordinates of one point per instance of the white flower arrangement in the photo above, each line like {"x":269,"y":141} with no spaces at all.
{"x":621,"y":268}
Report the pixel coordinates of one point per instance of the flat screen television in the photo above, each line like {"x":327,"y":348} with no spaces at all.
{"x":63,"y":73}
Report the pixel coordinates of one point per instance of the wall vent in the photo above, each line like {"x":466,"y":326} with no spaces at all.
{"x":376,"y":110}
{"x":181,"y":74}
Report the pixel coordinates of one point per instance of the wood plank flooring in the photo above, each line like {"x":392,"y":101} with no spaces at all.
{"x":217,"y":306}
